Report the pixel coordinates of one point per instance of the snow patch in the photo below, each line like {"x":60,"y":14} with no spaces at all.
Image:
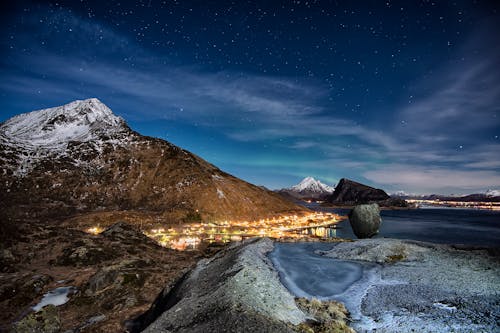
{"x":56,"y":297}
{"x":493,"y":193}
{"x":220,"y":194}
{"x":444,"y":306}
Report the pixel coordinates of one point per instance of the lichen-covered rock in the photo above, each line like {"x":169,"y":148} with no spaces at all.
{"x":381,"y":252}
{"x":126,"y":233}
{"x":7,"y":260}
{"x":44,"y":321}
{"x":365,"y":220}
{"x":124,"y":274}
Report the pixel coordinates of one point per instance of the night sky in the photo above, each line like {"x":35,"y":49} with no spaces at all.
{"x":397,"y":94}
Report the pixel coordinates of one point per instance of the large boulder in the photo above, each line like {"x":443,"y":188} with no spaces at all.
{"x":365,"y":220}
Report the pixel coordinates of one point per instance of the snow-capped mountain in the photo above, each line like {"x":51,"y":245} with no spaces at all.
{"x":54,"y":128}
{"x":312,"y":185}
{"x":486,"y":196}
{"x":403,"y":194}
{"x":492,"y":193}
{"x":309,"y":188}
{"x":80,"y":158}
{"x":31,"y":137}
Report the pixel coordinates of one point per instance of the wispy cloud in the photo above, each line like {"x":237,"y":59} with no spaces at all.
{"x":434,"y":140}
{"x":431,"y":179}
{"x":466,"y":101}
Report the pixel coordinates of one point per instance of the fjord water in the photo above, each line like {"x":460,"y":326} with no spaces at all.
{"x":436,"y":225}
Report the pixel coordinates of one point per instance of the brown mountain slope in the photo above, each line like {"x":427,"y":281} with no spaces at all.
{"x":82,"y":158}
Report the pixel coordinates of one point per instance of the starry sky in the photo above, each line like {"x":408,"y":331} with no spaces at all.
{"x":402,"y":95}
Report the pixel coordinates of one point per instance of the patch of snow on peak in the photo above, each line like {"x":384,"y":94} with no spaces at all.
{"x":220,"y":194}
{"x":492,"y":193}
{"x":312,"y":185}
{"x":217,"y":177}
{"x":81,"y":120}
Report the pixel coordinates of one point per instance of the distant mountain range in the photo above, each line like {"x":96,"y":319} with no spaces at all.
{"x":308,"y":189}
{"x":347,"y":192}
{"x":488,"y":196}
{"x":80,"y":158}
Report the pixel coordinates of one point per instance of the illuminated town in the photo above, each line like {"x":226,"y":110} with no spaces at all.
{"x":189,"y":236}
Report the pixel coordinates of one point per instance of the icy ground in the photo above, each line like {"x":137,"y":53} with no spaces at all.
{"x":56,"y":297}
{"x":397,"y":286}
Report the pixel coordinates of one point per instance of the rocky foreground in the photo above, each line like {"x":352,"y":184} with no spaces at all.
{"x":115,"y":276}
{"x":239,"y":290}
{"x":412,"y":287}
{"x":124,"y":282}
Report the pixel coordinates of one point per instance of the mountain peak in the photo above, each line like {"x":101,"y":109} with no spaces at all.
{"x":351,"y":192}
{"x":80,"y":158}
{"x":80,"y":120}
{"x":492,"y":193}
{"x":312,"y":185}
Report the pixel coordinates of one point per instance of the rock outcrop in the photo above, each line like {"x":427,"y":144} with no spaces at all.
{"x":116,"y":275}
{"x":350,"y":193}
{"x":365,"y":220}
{"x":236,"y":291}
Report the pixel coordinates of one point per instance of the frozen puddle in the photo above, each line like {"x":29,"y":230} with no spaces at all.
{"x":56,"y":297}
{"x":415,"y":295}
{"x":307,"y":274}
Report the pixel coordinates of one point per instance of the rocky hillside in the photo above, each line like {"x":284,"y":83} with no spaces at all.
{"x":350,"y":192}
{"x":308,"y":189}
{"x":114,"y":277}
{"x":80,"y":157}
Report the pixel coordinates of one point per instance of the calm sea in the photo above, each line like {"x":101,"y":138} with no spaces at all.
{"x":437,"y":225}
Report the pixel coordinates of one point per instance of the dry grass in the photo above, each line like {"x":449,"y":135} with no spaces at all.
{"x":398,"y":254}
{"x":329,"y":316}
{"x":394,"y":258}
